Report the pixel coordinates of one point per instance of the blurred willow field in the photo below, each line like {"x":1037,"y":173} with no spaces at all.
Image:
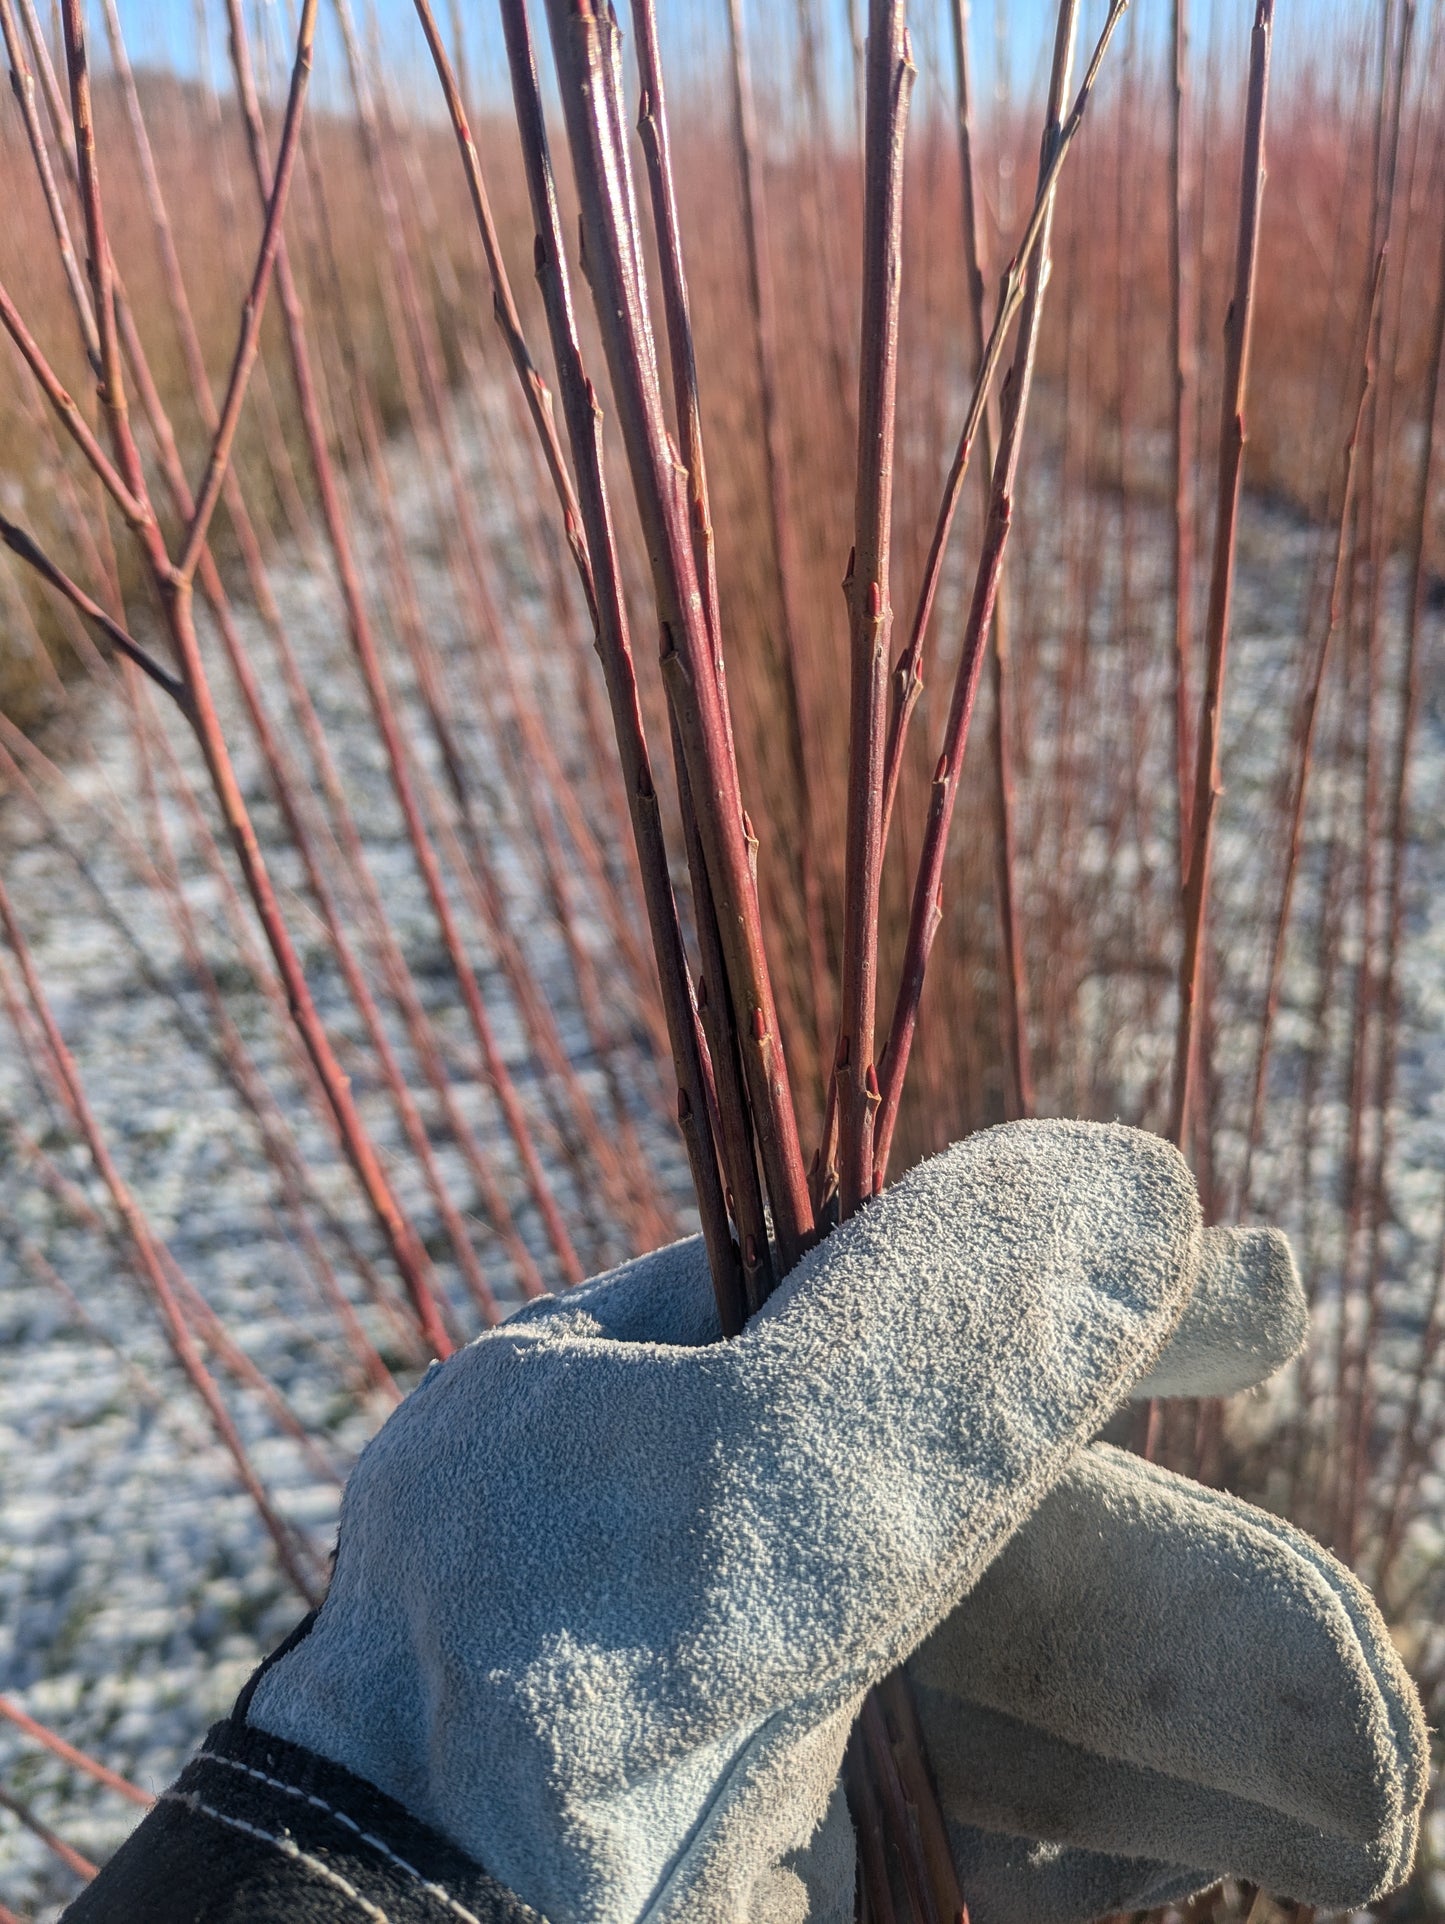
{"x":404,"y":674}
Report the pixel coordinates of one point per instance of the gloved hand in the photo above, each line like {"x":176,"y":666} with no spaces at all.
{"x":1154,"y":1685}
{"x":1155,"y":1671}
{"x":605,"y":1608}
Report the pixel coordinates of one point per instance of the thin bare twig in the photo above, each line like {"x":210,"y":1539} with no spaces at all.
{"x":68,"y":1855}
{"x":599,"y":555}
{"x":1019,"y":1094}
{"x":787,"y":562}
{"x":1181,"y":418}
{"x":254,"y":309}
{"x":926,"y":910}
{"x":1208,"y":784}
{"x":714,"y":996}
{"x":590,"y":88}
{"x":1308,"y":724}
{"x":77,"y":1759}
{"x":1018,"y":278}
{"x":866,"y":587}
{"x":34,"y":556}
{"x":132,"y":506}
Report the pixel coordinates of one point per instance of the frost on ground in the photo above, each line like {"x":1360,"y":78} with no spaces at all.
{"x":137,"y":1586}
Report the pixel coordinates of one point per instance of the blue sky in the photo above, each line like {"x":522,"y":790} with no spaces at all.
{"x":163,"y":32}
{"x":1010,"y":38}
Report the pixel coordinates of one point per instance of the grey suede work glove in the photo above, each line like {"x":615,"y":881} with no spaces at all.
{"x":1122,"y":1690}
{"x":605,"y":1607}
{"x":1160,"y":1672}
{"x":1156,"y":1685}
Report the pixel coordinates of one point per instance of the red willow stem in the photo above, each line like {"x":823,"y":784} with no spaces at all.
{"x":612,"y":899}
{"x":732,"y":1123}
{"x":22,"y":85}
{"x":653,"y":132}
{"x":423,"y":388}
{"x":1181,"y":418}
{"x":34,"y":556}
{"x":295,"y":514}
{"x":1019,"y":277}
{"x":177,"y":606}
{"x":926,"y":911}
{"x":1208,"y":783}
{"x":625,"y":1185}
{"x":1356,"y":1332}
{"x":787,"y":562}
{"x":99,"y":265}
{"x":714,"y":999}
{"x":504,"y":308}
{"x":598,"y":556}
{"x":68,"y":1855}
{"x":134,"y":510}
{"x":540,"y":407}
{"x":77,"y":1759}
{"x":890,"y":73}
{"x":254,"y":308}
{"x":1019,"y":1097}
{"x":589,"y":88}
{"x":902,"y":1816}
{"x":1308,"y":724}
{"x":277,"y":1139}
{"x":368,"y":659}
{"x":868,"y":1823}
{"x":1398,"y":845}
{"x":148,"y":1253}
{"x":895,"y":1695}
{"x":287,"y":787}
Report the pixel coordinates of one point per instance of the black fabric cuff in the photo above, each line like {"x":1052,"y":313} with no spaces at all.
{"x":259,"y":1831}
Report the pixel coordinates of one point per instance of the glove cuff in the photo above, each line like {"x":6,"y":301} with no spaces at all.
{"x":256,"y":1829}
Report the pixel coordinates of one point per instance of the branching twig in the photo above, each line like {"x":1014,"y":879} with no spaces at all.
{"x":254,"y":310}
{"x":926,"y":911}
{"x":135,"y":510}
{"x":908,"y":671}
{"x":34,"y":556}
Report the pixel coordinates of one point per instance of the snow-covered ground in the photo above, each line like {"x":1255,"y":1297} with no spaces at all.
{"x":137,"y":1587}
